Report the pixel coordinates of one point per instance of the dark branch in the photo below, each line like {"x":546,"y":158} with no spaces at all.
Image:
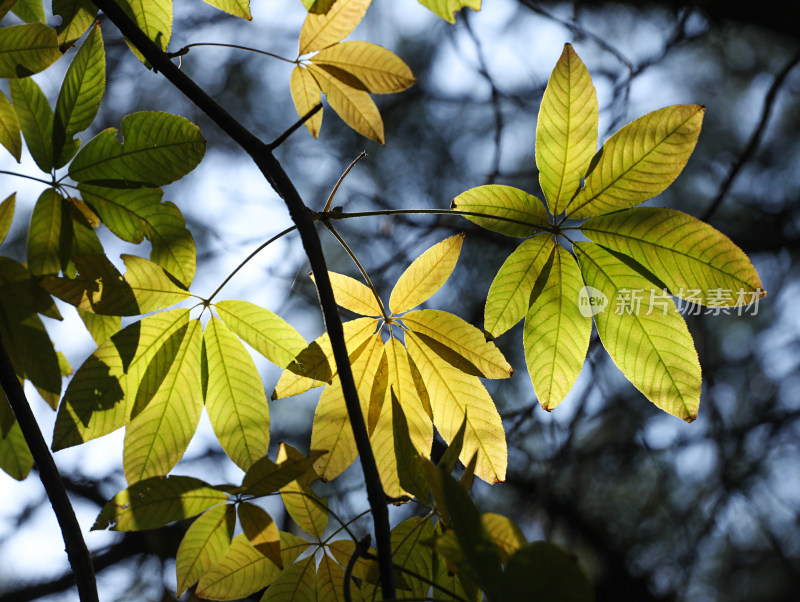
{"x":282,"y":138}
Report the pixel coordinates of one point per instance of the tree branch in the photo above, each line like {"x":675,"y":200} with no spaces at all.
{"x":304,"y":218}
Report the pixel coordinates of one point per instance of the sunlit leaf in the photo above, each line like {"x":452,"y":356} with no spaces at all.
{"x":373,"y":68}
{"x":473,"y":353}
{"x":306,"y":94}
{"x":80,"y":95}
{"x":158,"y":436}
{"x":261,"y":530}
{"x":205,"y":543}
{"x":556,"y":335}
{"x":30,"y":11}
{"x":235,"y":400}
{"x":152,"y":288}
{"x":15,"y":458}
{"x":35,"y":116}
{"x":644,"y":333}
{"x":153,"y":17}
{"x":516,"y":213}
{"x":265,"y":477}
{"x":354,"y":106}
{"x":309,"y":511}
{"x":542,"y":571}
{"x":100,"y":396}
{"x":237,"y":8}
{"x":566,"y":133}
{"x":322,"y":30}
{"x":330,"y":582}
{"x":7,"y":215}
{"x":353,"y":295}
{"x":44,"y":235}
{"x":157,"y":501}
{"x":639,"y":161}
{"x":401,"y":378}
{"x":693,"y":259}
{"x":172,"y":243}
{"x":158,"y":148}
{"x":425,"y":275}
{"x":505,"y":534}
{"x":100,"y":327}
{"x":9,"y":128}
{"x":297,"y":582}
{"x":27,"y":49}
{"x":76,"y":17}
{"x":410,"y":465}
{"x":446,"y":9}
{"x":124,"y":211}
{"x":383,"y":449}
{"x":510,"y":293}
{"x":454,"y":394}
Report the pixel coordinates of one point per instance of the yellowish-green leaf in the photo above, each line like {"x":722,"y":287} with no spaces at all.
{"x":44,"y":235}
{"x":153,"y":17}
{"x":331,"y":582}
{"x":157,"y":501}
{"x":99,"y":326}
{"x":152,"y":288}
{"x":454,"y":394}
{"x":15,"y":458}
{"x":265,"y":477}
{"x":425,"y":275}
{"x":319,"y":7}
{"x":322,"y":30}
{"x":376,"y":69}
{"x":309,"y":511}
{"x":473,"y":353}
{"x":76,"y":17}
{"x":235,"y":399}
{"x":7,"y":214}
{"x":404,"y":388}
{"x":343,"y":549}
{"x":244,"y":570}
{"x":696,"y":261}
{"x":353,"y":295}
{"x":269,"y":334}
{"x":410,"y":465}
{"x":354,"y":106}
{"x":447,"y":9}
{"x":514,"y":211}
{"x":297,"y":583}
{"x":557,"y":331}
{"x":237,"y":8}
{"x":172,"y":243}
{"x":101,"y":395}
{"x":644,"y":333}
{"x":262,"y":531}
{"x":30,"y":11}
{"x":383,"y":448}
{"x":315,"y":365}
{"x":510,"y":293}
{"x":506,"y":535}
{"x":158,"y":436}
{"x":27,"y":49}
{"x":9,"y":128}
{"x":639,"y":161}
{"x":204,"y":545}
{"x":306,"y":95}
{"x":566,"y":134}
{"x":35,"y":116}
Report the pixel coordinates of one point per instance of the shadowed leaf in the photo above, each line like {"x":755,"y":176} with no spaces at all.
{"x":204,"y":544}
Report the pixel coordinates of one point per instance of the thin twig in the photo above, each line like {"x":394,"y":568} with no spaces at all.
{"x":282,"y":138}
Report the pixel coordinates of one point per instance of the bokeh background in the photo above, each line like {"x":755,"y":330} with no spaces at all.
{"x":655,"y":509}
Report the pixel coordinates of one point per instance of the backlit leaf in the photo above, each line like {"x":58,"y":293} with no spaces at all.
{"x":446,"y":9}
{"x":153,"y":17}
{"x":205,"y":543}
{"x":158,"y":148}
{"x":261,"y":530}
{"x":306,"y":94}
{"x":648,"y":340}
{"x":44,"y":235}
{"x":420,"y":427}
{"x":566,"y":134}
{"x":353,"y":295}
{"x":383,"y":448}
{"x":376,"y":69}
{"x":639,"y":161}
{"x":27,"y":49}
{"x":409,"y":552}
{"x":542,"y":571}
{"x":235,"y":400}
{"x":30,"y":11}
{"x":265,"y":477}
{"x":7,"y":215}
{"x":425,"y":275}
{"x":100,"y":327}
{"x":556,"y":335}
{"x":322,"y":30}
{"x":35,"y":116}
{"x":156,"y":502}
{"x":319,"y":7}
{"x":152,"y":288}
{"x":410,"y":465}
{"x":330,"y":582}
{"x":689,"y":256}
{"x":297,"y":582}
{"x":76,"y":17}
{"x":505,"y":534}
{"x":9,"y":128}
{"x":15,"y":457}
{"x":172,"y":243}
{"x":510,"y":293}
{"x":237,"y":8}
{"x":516,"y":213}
{"x":309,"y":511}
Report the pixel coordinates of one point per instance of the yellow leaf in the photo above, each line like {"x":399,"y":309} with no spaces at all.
{"x":321,"y":30}
{"x":237,"y":8}
{"x":420,"y":426}
{"x":382,"y":443}
{"x":355,"y":107}
{"x":204,"y":545}
{"x":353,"y":295}
{"x":506,"y":535}
{"x":505,"y":209}
{"x":426,"y":274}
{"x":261,"y":530}
{"x":372,"y":67}
{"x":446,"y":9}
{"x":306,"y":509}
{"x":298,"y":583}
{"x":306,"y":95}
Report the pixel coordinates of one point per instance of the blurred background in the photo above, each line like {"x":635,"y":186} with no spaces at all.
{"x":655,"y":509}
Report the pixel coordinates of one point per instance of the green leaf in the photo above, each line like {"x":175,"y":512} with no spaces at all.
{"x":261,"y":530}
{"x":265,"y":477}
{"x":331,"y":582}
{"x":235,"y":400}
{"x":309,"y":511}
{"x":151,"y":286}
{"x":566,"y":134}
{"x":639,"y":161}
{"x":269,"y":334}
{"x":321,"y":30}
{"x":297,"y":583}
{"x":516,"y":213}
{"x":158,"y":149}
{"x":542,"y":571}
{"x":693,"y":259}
{"x":556,"y":335}
{"x":450,"y":456}
{"x":370,"y":67}
{"x":426,"y":275}
{"x":15,"y":457}
{"x":446,"y":9}
{"x":409,"y":552}
{"x":80,"y":94}
{"x":157,"y":501}
{"x":9,"y":128}
{"x":510,"y":293}
{"x":318,"y":7}
{"x":30,"y":11}
{"x":76,"y":17}
{"x":45,"y":235}
{"x":7,"y":215}
{"x":647,"y":339}
{"x":27,"y":49}
{"x":153,"y":17}
{"x":172,"y":243}
{"x":126,"y":212}
{"x":35,"y":118}
{"x":158,"y":436}
{"x":7,"y":5}
{"x":237,"y":8}
{"x":100,"y":327}
{"x":204,"y":545}
{"x":244,"y":570}
{"x":7,"y":418}
{"x":101,"y":395}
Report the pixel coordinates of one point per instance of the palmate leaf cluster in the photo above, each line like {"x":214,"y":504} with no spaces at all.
{"x":417,"y":371}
